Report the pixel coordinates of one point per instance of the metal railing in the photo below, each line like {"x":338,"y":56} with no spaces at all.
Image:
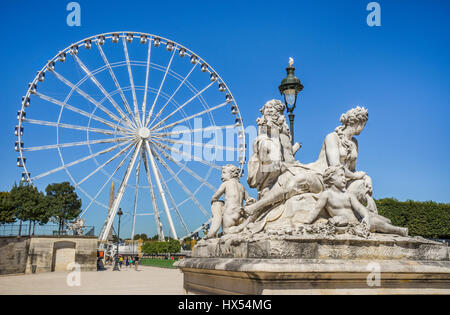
{"x":41,"y":230}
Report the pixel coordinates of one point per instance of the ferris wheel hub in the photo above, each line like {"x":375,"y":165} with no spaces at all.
{"x":144,"y":133}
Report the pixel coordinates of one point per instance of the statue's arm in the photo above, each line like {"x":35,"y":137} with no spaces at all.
{"x":358,"y":207}
{"x":332,"y":149}
{"x":248,"y":199}
{"x":320,"y":204}
{"x":352,"y":171}
{"x":218,"y":193}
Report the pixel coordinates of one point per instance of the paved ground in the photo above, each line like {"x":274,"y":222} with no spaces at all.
{"x":148,"y":280}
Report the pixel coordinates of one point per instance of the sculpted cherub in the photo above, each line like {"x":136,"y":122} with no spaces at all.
{"x":340,"y":205}
{"x":228,"y":213}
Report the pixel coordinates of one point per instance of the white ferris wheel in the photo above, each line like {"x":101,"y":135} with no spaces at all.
{"x":139,"y":110}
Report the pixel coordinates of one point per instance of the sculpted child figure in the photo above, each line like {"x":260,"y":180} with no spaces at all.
{"x":228,"y":213}
{"x":340,"y":205}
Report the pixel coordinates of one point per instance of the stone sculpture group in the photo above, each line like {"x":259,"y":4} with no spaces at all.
{"x":327,"y":196}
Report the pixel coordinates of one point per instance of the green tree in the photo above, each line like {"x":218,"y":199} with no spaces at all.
{"x":63,"y":203}
{"x":27,"y":203}
{"x":40,"y":213}
{"x":7,"y":214}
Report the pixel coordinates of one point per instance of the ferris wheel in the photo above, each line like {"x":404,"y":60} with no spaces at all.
{"x":138,"y":110}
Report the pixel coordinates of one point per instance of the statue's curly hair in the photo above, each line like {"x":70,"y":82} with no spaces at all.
{"x":355,"y":115}
{"x":232,"y":170}
{"x":329,"y":172}
{"x":275,"y":104}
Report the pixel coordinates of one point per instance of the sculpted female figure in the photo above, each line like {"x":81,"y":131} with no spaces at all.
{"x":341,"y":148}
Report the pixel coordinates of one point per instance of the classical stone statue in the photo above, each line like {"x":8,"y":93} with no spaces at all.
{"x":228,"y":213}
{"x":342,"y":205}
{"x":291,"y":194}
{"x":77,"y":226}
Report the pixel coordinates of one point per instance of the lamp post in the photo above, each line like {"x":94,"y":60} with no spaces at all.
{"x":289,"y":87}
{"x":116,"y":264}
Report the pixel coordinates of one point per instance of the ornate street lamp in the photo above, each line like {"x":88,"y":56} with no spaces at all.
{"x":289,"y":87}
{"x":116,"y":264}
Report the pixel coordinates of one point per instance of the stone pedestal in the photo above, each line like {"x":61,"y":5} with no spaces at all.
{"x":341,"y":264}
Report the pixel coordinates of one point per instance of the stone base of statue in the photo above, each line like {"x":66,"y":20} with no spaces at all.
{"x":280,"y":263}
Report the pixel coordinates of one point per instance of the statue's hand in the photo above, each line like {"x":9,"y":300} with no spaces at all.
{"x":366,"y":221}
{"x":250,"y":201}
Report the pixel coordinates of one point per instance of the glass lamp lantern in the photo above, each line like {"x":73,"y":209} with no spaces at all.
{"x":290,"y":87}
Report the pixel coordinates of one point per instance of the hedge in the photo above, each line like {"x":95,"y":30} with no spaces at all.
{"x":428,"y":219}
{"x":155,"y":247}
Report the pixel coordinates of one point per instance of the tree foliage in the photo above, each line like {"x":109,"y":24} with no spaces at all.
{"x":142,"y":236}
{"x":428,"y":219}
{"x":7,"y":214}
{"x":63,"y":202}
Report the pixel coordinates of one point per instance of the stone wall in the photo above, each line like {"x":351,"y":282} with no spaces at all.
{"x":13,"y":254}
{"x":46,"y":253}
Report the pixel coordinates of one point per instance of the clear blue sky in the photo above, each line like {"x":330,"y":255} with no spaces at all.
{"x":399,"y":71}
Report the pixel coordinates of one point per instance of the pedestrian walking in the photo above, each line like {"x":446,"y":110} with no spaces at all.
{"x":127,"y":262}
{"x":136,"y":262}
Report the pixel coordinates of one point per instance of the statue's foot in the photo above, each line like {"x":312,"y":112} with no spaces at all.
{"x":403,"y":231}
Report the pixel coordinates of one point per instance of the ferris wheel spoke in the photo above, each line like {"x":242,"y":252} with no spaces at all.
{"x":173,"y":94}
{"x":180,"y":107}
{"x":197,"y":144}
{"x":172,"y":201}
{"x":113,"y":76}
{"x":74,"y":144}
{"x":183,"y":186}
{"x":196,"y":230}
{"x":133,"y":90}
{"x":152,"y":193}
{"x":187,"y":131}
{"x":118,"y":199}
{"x":160,"y":188}
{"x":138,"y":167}
{"x":187,"y":169}
{"x":102,"y":89}
{"x":106,"y":183}
{"x":64,"y":166}
{"x":104,"y":164}
{"x":186,"y":155}
{"x":159,"y":90}
{"x":190,"y":117}
{"x":69,"y":126}
{"x":79,"y":111}
{"x":144,"y":103}
{"x":86,"y":96}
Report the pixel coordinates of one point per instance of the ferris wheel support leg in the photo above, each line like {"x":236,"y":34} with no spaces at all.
{"x":120,"y":192}
{"x":136,"y":197}
{"x":152,"y":193}
{"x":161,"y":190}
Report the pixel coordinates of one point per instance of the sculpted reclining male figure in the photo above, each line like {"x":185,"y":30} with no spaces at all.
{"x":340,"y":205}
{"x":272,"y":168}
